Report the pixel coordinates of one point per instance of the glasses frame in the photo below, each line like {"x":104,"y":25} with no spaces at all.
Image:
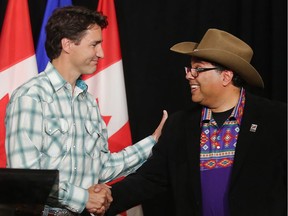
{"x":198,"y":70}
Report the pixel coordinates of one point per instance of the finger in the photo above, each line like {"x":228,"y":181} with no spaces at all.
{"x":109,"y":197}
{"x":91,"y":210}
{"x":107,"y":205}
{"x":100,"y":210}
{"x":107,"y":186}
{"x":106,"y":189}
{"x":164,"y":117}
{"x":163,"y":120}
{"x":99,"y":187}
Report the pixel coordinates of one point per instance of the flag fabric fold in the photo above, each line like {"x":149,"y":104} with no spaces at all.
{"x":41,"y":56}
{"x":108,"y":87}
{"x":17,"y":58}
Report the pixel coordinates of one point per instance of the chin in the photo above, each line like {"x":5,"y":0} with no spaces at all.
{"x":91,"y":71}
{"x":195,"y":99}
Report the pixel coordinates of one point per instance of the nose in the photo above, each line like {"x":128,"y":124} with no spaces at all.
{"x":99,"y":51}
{"x":188,"y":76}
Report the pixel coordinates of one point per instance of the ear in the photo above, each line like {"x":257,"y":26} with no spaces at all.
{"x":66,"y":44}
{"x":227,"y":76}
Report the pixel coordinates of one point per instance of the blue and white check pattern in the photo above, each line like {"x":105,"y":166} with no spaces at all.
{"x":50,"y":127}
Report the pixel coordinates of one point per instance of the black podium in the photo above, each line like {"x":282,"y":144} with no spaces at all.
{"x":24,"y":192}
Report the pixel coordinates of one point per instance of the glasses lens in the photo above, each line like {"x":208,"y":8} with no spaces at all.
{"x":191,"y":71}
{"x":195,"y":71}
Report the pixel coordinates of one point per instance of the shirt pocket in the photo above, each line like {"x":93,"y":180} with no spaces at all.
{"x":94,"y":141}
{"x":56,"y":137}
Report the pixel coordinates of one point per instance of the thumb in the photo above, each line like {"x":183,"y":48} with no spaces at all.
{"x":157,"y":133}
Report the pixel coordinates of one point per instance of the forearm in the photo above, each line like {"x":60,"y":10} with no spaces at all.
{"x":126,"y":161}
{"x":71,"y":197}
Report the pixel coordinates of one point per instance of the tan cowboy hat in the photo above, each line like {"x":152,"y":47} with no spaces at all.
{"x":225,"y":49}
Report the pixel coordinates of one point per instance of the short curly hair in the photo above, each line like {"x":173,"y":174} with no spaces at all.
{"x":70,"y":22}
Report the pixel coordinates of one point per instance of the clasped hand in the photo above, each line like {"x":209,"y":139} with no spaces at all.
{"x":100,"y":199}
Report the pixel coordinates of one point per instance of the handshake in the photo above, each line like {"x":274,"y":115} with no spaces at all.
{"x":100,"y":196}
{"x":99,"y":199}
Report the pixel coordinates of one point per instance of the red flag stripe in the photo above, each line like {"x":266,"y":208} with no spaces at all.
{"x":3,"y":103}
{"x":17,"y":59}
{"x":16,"y":27}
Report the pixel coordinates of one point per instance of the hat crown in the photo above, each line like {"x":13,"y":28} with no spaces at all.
{"x":215,"y":39}
{"x":225,"y":49}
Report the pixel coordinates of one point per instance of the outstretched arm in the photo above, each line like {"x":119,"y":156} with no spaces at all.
{"x":129,"y":159}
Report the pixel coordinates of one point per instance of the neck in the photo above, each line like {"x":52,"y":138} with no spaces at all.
{"x":65,"y":71}
{"x":228,"y":100}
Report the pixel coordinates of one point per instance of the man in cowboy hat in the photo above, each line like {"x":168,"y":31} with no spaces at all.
{"x":225,"y":156}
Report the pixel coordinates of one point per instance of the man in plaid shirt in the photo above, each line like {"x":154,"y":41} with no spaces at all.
{"x":52,"y":122}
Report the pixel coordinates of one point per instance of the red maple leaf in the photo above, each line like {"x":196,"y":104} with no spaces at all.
{"x":105,"y":118}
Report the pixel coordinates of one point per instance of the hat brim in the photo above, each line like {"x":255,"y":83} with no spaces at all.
{"x":227,"y":59}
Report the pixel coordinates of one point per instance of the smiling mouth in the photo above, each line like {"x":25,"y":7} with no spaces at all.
{"x":194,"y":87}
{"x":94,"y":60}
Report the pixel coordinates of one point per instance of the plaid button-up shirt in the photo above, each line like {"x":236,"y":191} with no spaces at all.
{"x":50,"y":127}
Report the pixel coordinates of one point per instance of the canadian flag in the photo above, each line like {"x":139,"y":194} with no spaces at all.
{"x":17,"y":58}
{"x":108,"y":87}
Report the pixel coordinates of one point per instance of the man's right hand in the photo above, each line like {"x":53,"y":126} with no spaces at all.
{"x":99,"y":199}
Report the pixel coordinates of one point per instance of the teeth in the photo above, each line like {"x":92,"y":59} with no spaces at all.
{"x":194,"y":86}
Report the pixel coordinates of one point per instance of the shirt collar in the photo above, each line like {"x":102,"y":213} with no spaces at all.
{"x":82,"y":85}
{"x":59,"y":82}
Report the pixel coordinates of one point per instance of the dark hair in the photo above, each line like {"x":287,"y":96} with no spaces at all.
{"x":236,"y":79}
{"x":70,"y":22}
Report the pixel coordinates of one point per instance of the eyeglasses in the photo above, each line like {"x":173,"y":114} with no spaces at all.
{"x":195,"y":71}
